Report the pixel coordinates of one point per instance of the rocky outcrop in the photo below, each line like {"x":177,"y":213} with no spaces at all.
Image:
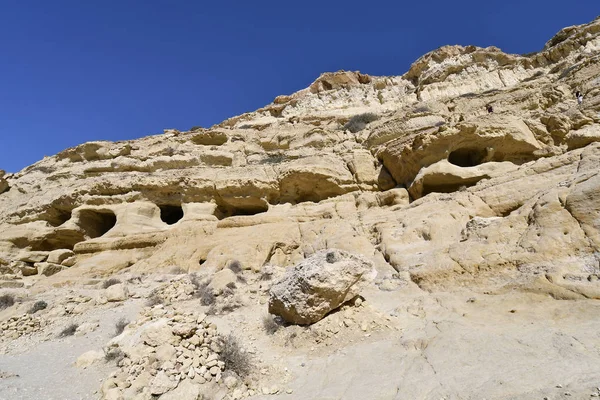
{"x":319,"y":285}
{"x":287,"y":181}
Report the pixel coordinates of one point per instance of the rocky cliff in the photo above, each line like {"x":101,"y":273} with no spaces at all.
{"x":412,"y":172}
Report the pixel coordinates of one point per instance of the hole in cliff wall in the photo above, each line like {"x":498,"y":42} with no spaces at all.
{"x":452,"y":187}
{"x":467,"y":157}
{"x":226,"y":210}
{"x":171,"y":214}
{"x":57,"y":217}
{"x":97,"y":222}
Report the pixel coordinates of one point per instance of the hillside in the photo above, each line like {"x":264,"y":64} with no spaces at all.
{"x":483,"y":228}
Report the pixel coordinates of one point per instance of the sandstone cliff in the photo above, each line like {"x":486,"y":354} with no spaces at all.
{"x":437,"y":192}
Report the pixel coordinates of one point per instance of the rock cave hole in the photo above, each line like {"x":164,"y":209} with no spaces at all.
{"x":97,"y":222}
{"x":451,"y":187}
{"x":226,"y":211}
{"x":467,"y":157}
{"x":59,"y":217}
{"x":171,"y":214}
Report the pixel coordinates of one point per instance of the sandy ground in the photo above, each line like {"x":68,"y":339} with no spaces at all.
{"x":398,"y":344}
{"x":46,"y":370}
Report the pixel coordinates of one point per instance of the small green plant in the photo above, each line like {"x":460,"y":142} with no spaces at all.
{"x":234,"y":357}
{"x":196,"y":128}
{"x":270,"y":325}
{"x":6,"y":300}
{"x":109,"y":282}
{"x":360,"y":121}
{"x":69,"y":330}
{"x":38,"y":306}
{"x":120,"y":326}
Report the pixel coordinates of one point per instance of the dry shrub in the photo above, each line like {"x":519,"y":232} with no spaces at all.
{"x":270,"y":325}
{"x":69,"y":330}
{"x":202,"y":291}
{"x":120,"y":326}
{"x":234,"y":357}
{"x":6,"y":300}
{"x":235,"y":266}
{"x":38,"y":306}
{"x":154,"y":299}
{"x":109,"y":282}
{"x":360,"y":121}
{"x":114,"y":354}
{"x":177,"y":271}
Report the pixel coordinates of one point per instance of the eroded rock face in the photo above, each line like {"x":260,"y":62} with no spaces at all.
{"x":319,"y":285}
{"x":287,"y":180}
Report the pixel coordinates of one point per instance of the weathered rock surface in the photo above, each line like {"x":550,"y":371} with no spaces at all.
{"x":319,"y":285}
{"x":437,"y":194}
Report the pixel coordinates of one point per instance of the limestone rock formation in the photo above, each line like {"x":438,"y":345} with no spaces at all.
{"x":439,"y":195}
{"x":319,"y":285}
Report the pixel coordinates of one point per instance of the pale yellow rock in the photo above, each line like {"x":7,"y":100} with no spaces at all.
{"x":88,"y":358}
{"x":221,"y":280}
{"x":59,"y":256}
{"x":157,"y":333}
{"x":118,"y":292}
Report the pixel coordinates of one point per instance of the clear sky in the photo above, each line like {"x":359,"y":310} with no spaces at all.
{"x":82,"y":70}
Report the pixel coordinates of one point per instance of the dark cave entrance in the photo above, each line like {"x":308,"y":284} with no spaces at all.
{"x":171,"y":214}
{"x":467,"y":157}
{"x":97,"y":222}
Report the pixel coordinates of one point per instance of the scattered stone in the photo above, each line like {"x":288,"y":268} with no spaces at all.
{"x":116,"y":292}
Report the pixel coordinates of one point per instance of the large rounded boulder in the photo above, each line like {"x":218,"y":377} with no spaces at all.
{"x":318,"y":285}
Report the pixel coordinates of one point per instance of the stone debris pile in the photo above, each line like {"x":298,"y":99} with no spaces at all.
{"x":176,"y":355}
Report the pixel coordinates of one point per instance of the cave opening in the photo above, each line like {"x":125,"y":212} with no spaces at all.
{"x":57,"y":217}
{"x":97,"y":222}
{"x":226,"y":211}
{"x":170,"y":214}
{"x":467,"y":157}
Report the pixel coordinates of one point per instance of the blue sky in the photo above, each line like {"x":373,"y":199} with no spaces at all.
{"x":75,"y":71}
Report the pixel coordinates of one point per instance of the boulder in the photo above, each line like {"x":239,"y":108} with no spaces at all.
{"x":27,"y":269}
{"x":58,"y":256}
{"x":221,"y":279}
{"x":48,"y":269}
{"x":33,"y":256}
{"x":318,"y":285}
{"x":117,"y":292}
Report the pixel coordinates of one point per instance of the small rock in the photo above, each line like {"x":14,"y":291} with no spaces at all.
{"x":89,"y":358}
{"x":116,"y":292}
{"x":161,"y":383}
